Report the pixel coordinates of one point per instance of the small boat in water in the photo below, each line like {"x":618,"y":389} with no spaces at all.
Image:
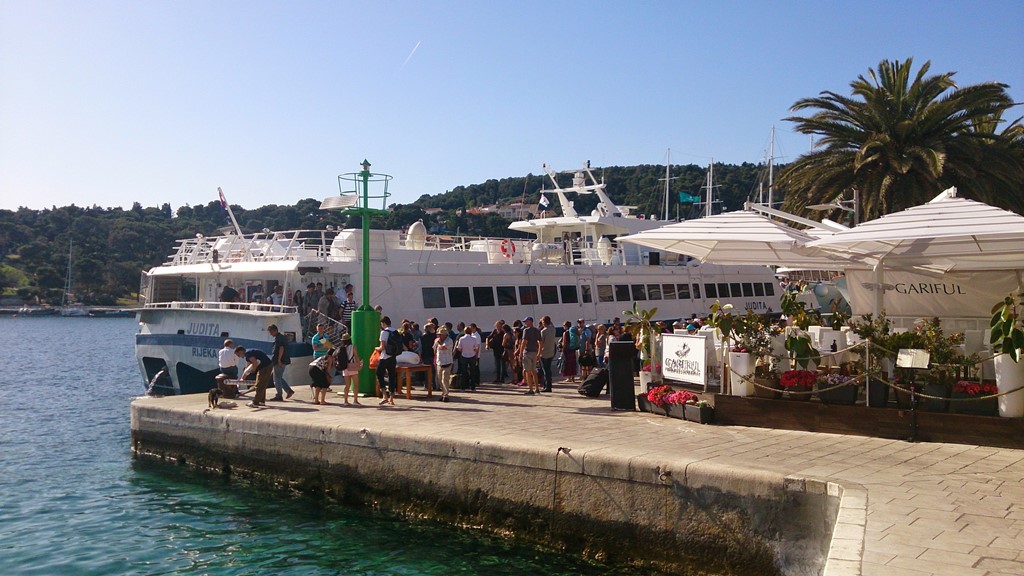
{"x":569,"y":267}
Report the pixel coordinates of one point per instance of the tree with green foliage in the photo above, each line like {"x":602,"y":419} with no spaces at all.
{"x":901,"y":137}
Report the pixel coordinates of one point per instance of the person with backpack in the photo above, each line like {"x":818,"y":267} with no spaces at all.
{"x":570,"y":347}
{"x":390,"y":347}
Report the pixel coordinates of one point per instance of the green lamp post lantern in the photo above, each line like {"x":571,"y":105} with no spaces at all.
{"x":365,"y":320}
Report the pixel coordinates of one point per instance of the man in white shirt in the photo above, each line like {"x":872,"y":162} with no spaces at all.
{"x":469,"y":348}
{"x":227,"y":360}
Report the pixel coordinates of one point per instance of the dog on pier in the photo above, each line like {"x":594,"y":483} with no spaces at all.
{"x":213,"y":398}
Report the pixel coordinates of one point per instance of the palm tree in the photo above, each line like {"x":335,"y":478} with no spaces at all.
{"x":900,"y":139}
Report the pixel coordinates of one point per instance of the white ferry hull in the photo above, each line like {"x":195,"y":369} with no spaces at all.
{"x":186,"y":342}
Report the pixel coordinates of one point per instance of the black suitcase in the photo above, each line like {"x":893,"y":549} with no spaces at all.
{"x":592,"y":386}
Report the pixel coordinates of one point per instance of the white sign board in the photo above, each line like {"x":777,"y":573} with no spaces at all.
{"x":684,"y":358}
{"x":912,"y":358}
{"x":954,"y":294}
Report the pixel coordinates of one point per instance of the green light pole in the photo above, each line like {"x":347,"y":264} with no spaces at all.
{"x":366,"y":320}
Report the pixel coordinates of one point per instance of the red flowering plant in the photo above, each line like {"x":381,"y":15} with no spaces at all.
{"x":975,"y":388}
{"x":795,"y":378}
{"x":682,"y":397}
{"x":659,"y":395}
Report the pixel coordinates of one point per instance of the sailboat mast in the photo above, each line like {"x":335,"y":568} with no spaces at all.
{"x":67,"y":282}
{"x":668,"y":165}
{"x":771,"y":166}
{"x":711,"y":178}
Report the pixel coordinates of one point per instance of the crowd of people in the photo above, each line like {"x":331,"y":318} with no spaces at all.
{"x":526,"y":353}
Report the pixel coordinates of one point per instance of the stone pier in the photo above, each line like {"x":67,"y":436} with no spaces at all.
{"x":570,"y":473}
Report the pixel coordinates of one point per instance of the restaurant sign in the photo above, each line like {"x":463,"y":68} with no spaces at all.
{"x":684,"y":358}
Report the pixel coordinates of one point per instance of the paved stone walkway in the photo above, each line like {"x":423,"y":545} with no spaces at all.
{"x":931,"y":508}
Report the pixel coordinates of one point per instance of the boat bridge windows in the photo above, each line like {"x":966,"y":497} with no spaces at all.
{"x":484,"y":296}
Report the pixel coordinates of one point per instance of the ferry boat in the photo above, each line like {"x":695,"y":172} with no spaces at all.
{"x":571,"y":268}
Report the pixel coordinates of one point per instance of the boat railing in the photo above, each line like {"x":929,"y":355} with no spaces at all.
{"x":265,"y":246}
{"x":244,"y":306}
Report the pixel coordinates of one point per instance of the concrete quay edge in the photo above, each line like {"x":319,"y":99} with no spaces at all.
{"x":903,"y":508}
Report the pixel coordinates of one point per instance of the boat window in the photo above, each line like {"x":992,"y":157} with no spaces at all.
{"x":734,"y":289}
{"x":710,"y":291}
{"x":654,"y":291}
{"x":639,"y":293}
{"x":569,"y":295}
{"x":622,"y":293}
{"x":758,"y":289}
{"x":458,"y":297}
{"x":587,"y":296}
{"x":549,"y":294}
{"x":696,"y":291}
{"x":684,"y":291}
{"x":528,"y":295}
{"x":748,"y":289}
{"x":605,"y":293}
{"x":769,"y":289}
{"x":433,"y":297}
{"x":483,"y":296}
{"x":507,"y":296}
{"x":668,"y":291}
{"x":723,"y":290}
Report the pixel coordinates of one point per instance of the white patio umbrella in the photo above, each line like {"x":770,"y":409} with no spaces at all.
{"x":946,"y":234}
{"x":738,"y":238}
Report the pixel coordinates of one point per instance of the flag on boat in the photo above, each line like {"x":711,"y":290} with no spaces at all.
{"x":685,"y":198}
{"x":223,"y":200}
{"x":544,"y":203}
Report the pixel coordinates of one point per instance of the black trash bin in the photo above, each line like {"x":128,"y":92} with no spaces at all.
{"x":620,"y":375}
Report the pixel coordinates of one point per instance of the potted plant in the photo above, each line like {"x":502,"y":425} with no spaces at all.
{"x":837,"y":389}
{"x":655,"y":401}
{"x":748,"y":340}
{"x":675,"y":401}
{"x":947,"y":363}
{"x":798,"y":342}
{"x":1008,"y":341}
{"x":766,"y":380}
{"x":873,"y":334}
{"x":701,"y":412}
{"x":798,"y":383}
{"x":640,"y":325}
{"x":972,"y":398}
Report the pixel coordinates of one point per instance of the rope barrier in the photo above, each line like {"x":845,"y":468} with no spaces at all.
{"x":856,"y":381}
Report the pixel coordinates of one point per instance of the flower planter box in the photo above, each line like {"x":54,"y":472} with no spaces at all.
{"x":986,"y":407}
{"x":675,"y":411}
{"x":940,"y":389}
{"x":700,"y":414}
{"x":847,"y":395}
{"x":646,"y":405}
{"x":878,"y":394}
{"x":798,"y":393}
{"x":768,"y":388}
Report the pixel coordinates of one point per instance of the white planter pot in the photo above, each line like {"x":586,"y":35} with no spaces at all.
{"x":645,"y":380}
{"x":1010,"y":375}
{"x":741,"y":365}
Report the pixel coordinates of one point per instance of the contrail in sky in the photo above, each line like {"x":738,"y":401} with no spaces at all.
{"x":409,"y":57}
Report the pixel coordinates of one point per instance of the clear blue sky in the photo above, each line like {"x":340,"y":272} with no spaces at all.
{"x":106,"y":102}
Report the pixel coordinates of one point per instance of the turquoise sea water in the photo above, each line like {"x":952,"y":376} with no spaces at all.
{"x":73,"y":500}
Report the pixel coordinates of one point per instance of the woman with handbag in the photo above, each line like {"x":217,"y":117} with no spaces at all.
{"x":351,"y":372}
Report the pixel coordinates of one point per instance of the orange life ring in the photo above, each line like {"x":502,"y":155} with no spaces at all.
{"x":508,"y":248}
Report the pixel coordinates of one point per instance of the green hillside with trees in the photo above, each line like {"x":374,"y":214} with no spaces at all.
{"x":112,"y":246}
